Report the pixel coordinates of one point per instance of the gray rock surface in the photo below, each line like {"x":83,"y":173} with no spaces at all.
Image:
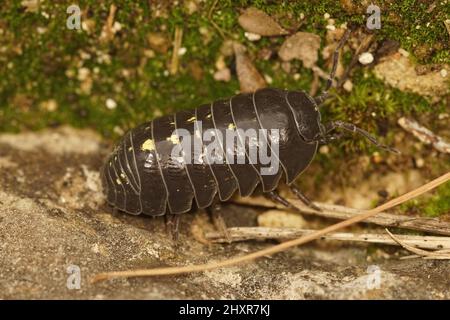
{"x":53,"y":215}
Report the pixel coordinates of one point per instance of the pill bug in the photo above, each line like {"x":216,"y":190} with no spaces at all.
{"x":142,"y":176}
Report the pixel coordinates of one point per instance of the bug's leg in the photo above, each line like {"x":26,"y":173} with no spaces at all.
{"x":354,"y":129}
{"x":303,"y":198}
{"x":330,"y":138}
{"x":172,"y":225}
{"x":215,"y":211}
{"x":321,"y":98}
{"x":275,"y":197}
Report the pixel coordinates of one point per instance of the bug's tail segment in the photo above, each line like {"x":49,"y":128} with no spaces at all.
{"x":353,"y":128}
{"x":321,"y":98}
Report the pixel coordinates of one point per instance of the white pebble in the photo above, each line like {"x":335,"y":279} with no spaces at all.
{"x":111,"y":104}
{"x":182,"y":51}
{"x":365,"y":58}
{"x":348,"y":85}
{"x":326,"y":15}
{"x":116,"y":27}
{"x":443,"y":73}
{"x":268,"y":79}
{"x":83,"y":73}
{"x":324,"y":149}
{"x":252,"y":36}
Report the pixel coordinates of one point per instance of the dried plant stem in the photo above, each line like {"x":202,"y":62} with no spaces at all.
{"x":176,"y":48}
{"x":262,"y":233}
{"x":110,"y":22}
{"x":430,"y":225}
{"x":277,"y":248}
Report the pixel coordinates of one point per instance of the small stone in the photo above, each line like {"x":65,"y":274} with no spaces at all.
{"x":149,"y":53}
{"x":281,"y":219}
{"x":111,"y":104}
{"x":268,"y":79}
{"x":286,"y":66}
{"x":191,"y":7}
{"x":49,"y":105}
{"x":118,"y":130}
{"x":220,"y":63}
{"x":116,"y":27}
{"x":182,"y":51}
{"x":443,"y":73}
{"x":83,"y":74}
{"x":252,"y":36}
{"x":326,"y":16}
{"x":324,"y":149}
{"x":223,"y":75}
{"x":348,"y":85}
{"x":447,"y":26}
{"x":365,"y":58}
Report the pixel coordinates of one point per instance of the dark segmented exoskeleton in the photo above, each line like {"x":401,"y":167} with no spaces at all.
{"x":142,"y":176}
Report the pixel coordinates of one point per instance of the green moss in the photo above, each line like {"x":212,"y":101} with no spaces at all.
{"x":39,"y":54}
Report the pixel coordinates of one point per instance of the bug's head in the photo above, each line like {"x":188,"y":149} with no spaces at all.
{"x":309,"y":122}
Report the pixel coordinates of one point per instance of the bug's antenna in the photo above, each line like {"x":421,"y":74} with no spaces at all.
{"x":352,"y":128}
{"x":321,"y":98}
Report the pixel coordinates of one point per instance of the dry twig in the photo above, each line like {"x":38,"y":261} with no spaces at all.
{"x":431,"y":225}
{"x":262,"y":233}
{"x":176,"y":48}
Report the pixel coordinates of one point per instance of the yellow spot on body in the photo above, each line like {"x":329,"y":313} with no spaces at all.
{"x":231,"y":126}
{"x":174,"y":139}
{"x":192,"y":119}
{"x":148,"y":145}
{"x":118,"y":181}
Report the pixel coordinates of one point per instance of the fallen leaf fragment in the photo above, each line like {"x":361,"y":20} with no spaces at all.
{"x":249,"y":77}
{"x":258,"y":22}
